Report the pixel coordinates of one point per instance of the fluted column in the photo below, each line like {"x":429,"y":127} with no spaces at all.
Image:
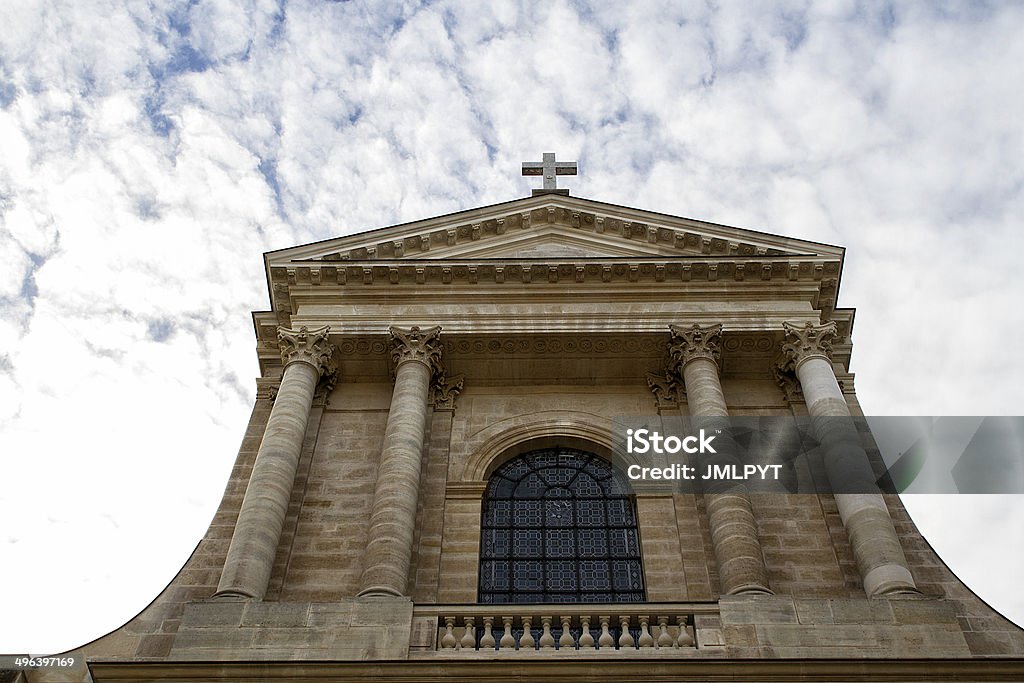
{"x":306,"y":354}
{"x":417,"y":357}
{"x":877,"y":549}
{"x":695,"y":352}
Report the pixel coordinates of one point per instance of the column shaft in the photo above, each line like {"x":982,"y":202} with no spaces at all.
{"x":258,"y":529}
{"x":877,"y":549}
{"x":741,"y":567}
{"x":393,"y":518}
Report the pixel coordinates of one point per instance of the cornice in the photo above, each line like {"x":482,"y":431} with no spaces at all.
{"x":632,"y":668}
{"x":528,"y":270}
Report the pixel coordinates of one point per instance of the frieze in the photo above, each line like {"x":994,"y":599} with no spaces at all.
{"x":759,"y":343}
{"x":751,"y":344}
{"x":554,"y":345}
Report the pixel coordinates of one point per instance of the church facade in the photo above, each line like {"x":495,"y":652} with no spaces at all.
{"x":426,"y":488}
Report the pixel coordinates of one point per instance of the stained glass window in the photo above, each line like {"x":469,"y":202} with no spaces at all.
{"x":558,"y":526}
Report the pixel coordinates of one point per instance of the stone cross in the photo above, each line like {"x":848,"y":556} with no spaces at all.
{"x":549,"y":168}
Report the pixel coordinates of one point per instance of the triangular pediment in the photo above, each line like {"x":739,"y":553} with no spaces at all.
{"x":551,"y":226}
{"x":549,"y":240}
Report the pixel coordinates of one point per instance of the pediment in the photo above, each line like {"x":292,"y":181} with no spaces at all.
{"x":551,"y":226}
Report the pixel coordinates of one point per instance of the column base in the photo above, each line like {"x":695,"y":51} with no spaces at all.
{"x":230,"y":594}
{"x":751,"y":589}
{"x":379,"y":592}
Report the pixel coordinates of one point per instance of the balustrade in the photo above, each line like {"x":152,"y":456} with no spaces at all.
{"x":522,"y":628}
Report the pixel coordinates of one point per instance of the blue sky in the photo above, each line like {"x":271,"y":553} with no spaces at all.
{"x":151,"y":152}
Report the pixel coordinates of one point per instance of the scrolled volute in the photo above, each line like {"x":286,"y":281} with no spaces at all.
{"x":414,"y":344}
{"x":808,"y":341}
{"x":306,"y":346}
{"x":690,"y":343}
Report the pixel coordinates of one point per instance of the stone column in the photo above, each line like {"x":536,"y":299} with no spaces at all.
{"x":876,"y":547}
{"x":306,"y":355}
{"x":695,"y":353}
{"x":417,"y":357}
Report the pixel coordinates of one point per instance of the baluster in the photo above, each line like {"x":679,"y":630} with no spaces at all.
{"x":625,"y":638}
{"x":448,"y":639}
{"x":586,"y":639}
{"x":565,"y":642}
{"x":546,"y":639}
{"x":507,"y":641}
{"x":664,"y":639}
{"x":646,"y":639}
{"x":606,"y":639}
{"x":469,"y":637}
{"x":487,"y":641}
{"x":526,"y":642}
{"x":685,"y":639}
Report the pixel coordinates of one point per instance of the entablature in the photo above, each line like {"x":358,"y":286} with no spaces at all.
{"x":561,"y":358}
{"x":807,"y":278}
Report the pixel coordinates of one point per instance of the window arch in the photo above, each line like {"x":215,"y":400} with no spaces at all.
{"x":559,"y":526}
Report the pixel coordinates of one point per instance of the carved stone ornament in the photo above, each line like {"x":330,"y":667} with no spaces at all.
{"x":267,"y":387}
{"x":307,"y":346}
{"x":417,"y":345}
{"x":691,"y":343}
{"x":808,"y":341}
{"x":785,"y":376}
{"x":668,"y":391}
{"x":328,"y":379}
{"x":443,"y":391}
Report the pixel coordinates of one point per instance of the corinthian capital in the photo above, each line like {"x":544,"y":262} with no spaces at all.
{"x":443,"y":391}
{"x":306,"y":346}
{"x":808,"y":341}
{"x":691,"y":343}
{"x":417,"y":345}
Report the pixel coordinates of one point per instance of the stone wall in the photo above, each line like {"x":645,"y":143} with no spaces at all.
{"x":340,"y":629}
{"x":325,"y":559}
{"x":310,"y":612}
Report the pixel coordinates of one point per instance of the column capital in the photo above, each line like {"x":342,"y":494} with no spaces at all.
{"x":306,"y":346}
{"x":443,"y":391}
{"x":668,"y":389}
{"x":690,"y":343}
{"x":808,"y":341}
{"x":414,"y":344}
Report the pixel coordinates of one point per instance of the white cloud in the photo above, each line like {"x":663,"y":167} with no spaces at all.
{"x":151,"y":154}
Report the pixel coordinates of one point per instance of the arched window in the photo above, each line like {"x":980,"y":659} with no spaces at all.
{"x":558,"y":526}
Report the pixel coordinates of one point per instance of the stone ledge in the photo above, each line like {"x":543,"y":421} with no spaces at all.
{"x":373,"y":629}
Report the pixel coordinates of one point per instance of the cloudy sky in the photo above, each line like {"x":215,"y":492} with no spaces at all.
{"x":151,"y":152}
